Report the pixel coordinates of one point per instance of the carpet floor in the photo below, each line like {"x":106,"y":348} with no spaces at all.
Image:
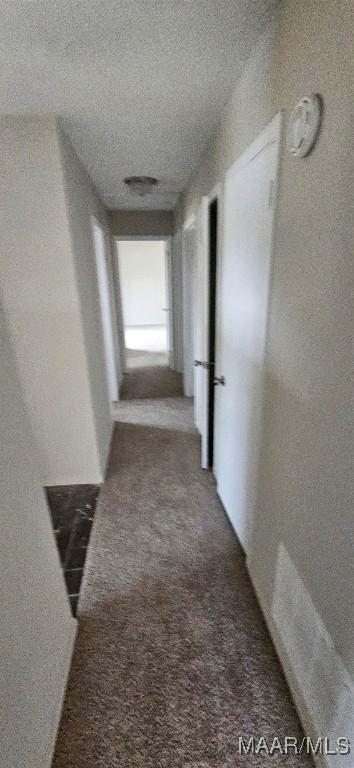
{"x":142,"y":358}
{"x":173,"y":661}
{"x":148,"y":376}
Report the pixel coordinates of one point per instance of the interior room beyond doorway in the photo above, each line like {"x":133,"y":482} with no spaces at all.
{"x":144,"y":289}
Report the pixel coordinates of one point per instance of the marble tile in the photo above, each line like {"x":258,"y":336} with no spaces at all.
{"x":74,"y":599}
{"x":73,"y":578}
{"x":77,"y":557}
{"x":72,"y":510}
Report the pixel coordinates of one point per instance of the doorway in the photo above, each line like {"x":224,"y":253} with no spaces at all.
{"x":143,"y":282}
{"x":213,"y":252}
{"x":208,"y":249}
{"x":145,"y":286}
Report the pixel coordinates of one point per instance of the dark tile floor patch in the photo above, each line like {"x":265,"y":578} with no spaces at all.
{"x":72,"y":509}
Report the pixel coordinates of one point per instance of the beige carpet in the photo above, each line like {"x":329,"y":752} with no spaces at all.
{"x":148,"y":376}
{"x":173,"y":661}
{"x":142,"y":358}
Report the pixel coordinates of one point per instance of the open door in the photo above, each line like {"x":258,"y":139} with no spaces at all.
{"x":207,"y":252}
{"x":213,"y":381}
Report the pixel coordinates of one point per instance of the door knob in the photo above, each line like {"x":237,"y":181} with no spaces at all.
{"x":219,"y":380}
{"x":208,"y":366}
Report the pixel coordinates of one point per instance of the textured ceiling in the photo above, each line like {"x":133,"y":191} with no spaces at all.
{"x":138,"y":84}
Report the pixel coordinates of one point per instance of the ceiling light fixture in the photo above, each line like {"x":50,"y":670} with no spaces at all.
{"x":141,"y":185}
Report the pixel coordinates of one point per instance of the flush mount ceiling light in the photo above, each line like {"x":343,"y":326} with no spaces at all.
{"x":141,"y":185}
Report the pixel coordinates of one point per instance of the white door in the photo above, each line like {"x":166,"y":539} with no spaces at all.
{"x":243,"y":308}
{"x":201,"y":336}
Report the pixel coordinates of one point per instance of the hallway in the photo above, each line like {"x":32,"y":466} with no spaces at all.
{"x":173,"y":661}
{"x":177,"y":224}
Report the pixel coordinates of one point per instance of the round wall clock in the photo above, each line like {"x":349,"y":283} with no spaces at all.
{"x":304,"y":125}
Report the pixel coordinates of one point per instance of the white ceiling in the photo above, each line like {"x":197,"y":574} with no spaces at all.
{"x":138,"y":84}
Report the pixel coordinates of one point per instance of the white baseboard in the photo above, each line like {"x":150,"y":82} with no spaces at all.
{"x":92,"y":479}
{"x":312,"y":713}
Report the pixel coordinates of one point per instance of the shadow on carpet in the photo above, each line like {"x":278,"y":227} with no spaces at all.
{"x":150,"y":382}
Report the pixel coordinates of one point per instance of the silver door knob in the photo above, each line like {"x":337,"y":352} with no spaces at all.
{"x":219,"y":380}
{"x":205,"y":364}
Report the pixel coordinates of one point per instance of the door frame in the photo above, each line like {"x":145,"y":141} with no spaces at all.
{"x":188,"y":380}
{"x":167,"y":239}
{"x":118,"y":306}
{"x":171,"y":304}
{"x":202,"y":410}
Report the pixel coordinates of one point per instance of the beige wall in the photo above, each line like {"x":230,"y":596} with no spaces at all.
{"x":83,"y":203}
{"x":141,"y":223}
{"x":177,"y":300}
{"x":304,"y":492}
{"x":37,"y":630}
{"x":48,"y":279}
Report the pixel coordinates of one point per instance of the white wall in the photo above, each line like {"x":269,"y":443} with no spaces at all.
{"x":47,"y":273}
{"x":143,"y":282}
{"x":190,"y":288}
{"x":83,"y":203}
{"x":304,"y":512}
{"x":177,"y":299}
{"x":106,"y":298}
{"x":37,"y":630}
